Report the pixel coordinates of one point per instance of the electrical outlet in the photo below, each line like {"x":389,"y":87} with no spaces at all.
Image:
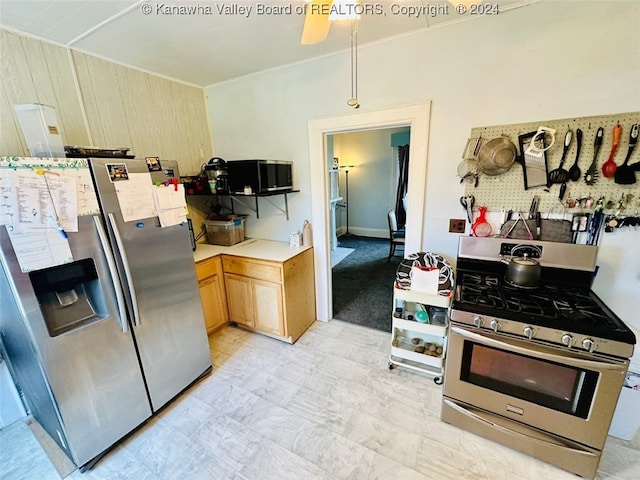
{"x":457,"y":225}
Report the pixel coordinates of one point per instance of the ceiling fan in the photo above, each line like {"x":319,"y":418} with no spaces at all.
{"x":320,"y":13}
{"x":316,"y":22}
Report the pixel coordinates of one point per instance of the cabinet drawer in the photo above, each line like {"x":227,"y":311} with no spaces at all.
{"x":253,"y":269}
{"x":206,"y":268}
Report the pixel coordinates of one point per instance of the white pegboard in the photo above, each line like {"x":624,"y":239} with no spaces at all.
{"x":507,"y":191}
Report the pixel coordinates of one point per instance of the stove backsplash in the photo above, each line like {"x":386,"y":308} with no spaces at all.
{"x":552,"y":254}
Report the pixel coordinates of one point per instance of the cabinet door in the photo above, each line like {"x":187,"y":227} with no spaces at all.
{"x":267,"y":298}
{"x":212,"y":292}
{"x":214,"y":303}
{"x":239,"y":299}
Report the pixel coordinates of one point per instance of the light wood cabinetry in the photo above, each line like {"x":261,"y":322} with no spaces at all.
{"x":239,"y":291}
{"x":275,"y":298}
{"x":212,"y":293}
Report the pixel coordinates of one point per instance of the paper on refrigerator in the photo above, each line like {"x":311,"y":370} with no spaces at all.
{"x":32,"y":206}
{"x":36,"y":249}
{"x":171,"y":204}
{"x":34,"y":228}
{"x":135,"y":196}
{"x":64,"y":196}
{"x":40,"y":200}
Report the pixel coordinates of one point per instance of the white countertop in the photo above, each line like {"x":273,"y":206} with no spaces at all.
{"x":250,"y":248}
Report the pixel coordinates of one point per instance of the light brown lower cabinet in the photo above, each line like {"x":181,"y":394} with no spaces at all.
{"x":271,"y":297}
{"x":212,"y":293}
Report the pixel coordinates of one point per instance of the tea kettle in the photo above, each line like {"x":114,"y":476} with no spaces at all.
{"x":523,"y":272}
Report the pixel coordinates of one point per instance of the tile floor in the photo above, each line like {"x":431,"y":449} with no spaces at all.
{"x":325,"y":408}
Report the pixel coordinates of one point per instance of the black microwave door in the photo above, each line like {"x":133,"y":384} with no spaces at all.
{"x":242,"y":174}
{"x":275,"y":176}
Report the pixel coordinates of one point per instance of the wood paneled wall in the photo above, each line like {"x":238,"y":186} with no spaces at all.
{"x":103,"y":104}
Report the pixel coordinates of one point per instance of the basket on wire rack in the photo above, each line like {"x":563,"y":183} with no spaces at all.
{"x":425,"y":261}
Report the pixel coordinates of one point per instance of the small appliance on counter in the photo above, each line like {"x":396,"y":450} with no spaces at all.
{"x":217,"y":173}
{"x":262,"y":176}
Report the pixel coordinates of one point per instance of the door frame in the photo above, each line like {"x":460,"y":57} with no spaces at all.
{"x":416,"y":117}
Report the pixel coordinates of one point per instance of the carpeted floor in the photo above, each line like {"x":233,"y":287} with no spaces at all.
{"x":363,"y":283}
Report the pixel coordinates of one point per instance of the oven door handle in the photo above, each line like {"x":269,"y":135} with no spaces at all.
{"x":603,"y":364}
{"x":554,"y":444}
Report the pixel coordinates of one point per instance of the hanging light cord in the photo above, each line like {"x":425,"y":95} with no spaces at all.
{"x":353,"y":101}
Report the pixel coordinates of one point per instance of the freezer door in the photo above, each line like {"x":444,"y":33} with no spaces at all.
{"x":90,"y":373}
{"x":159,"y":277}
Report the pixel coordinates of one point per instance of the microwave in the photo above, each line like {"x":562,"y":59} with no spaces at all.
{"x":263,"y":176}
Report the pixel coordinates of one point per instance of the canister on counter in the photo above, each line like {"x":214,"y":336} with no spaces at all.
{"x":307,"y":236}
{"x":295,"y":239}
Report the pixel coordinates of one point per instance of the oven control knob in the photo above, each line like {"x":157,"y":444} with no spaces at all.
{"x":478,"y":321}
{"x":589,"y":344}
{"x":567,"y":340}
{"x":529,"y":332}
{"x":495,"y":325}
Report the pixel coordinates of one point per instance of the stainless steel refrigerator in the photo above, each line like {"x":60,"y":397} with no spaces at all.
{"x":99,"y":344}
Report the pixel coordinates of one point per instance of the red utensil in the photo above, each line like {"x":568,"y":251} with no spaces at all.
{"x":481,"y":228}
{"x":609,"y":167}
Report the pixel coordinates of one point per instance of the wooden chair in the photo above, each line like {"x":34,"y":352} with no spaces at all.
{"x":396,"y":235}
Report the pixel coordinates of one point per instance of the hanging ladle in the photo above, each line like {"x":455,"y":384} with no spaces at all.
{"x":560,"y":175}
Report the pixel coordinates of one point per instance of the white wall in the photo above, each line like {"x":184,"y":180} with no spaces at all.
{"x":549,"y":60}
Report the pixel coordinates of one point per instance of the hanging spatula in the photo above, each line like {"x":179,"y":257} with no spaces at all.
{"x":560,"y":175}
{"x":591,"y":175}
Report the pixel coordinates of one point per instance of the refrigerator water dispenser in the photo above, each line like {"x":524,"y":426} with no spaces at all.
{"x":69,"y":295}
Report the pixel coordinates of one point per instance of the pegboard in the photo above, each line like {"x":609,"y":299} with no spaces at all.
{"x":507,"y":191}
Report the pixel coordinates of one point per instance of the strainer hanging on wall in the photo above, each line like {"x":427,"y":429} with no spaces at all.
{"x":496,"y":156}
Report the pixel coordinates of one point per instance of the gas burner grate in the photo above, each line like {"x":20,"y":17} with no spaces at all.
{"x":531,"y":306}
{"x":549,"y":301}
{"x":585,"y":312}
{"x":480,"y":281}
{"x":480,"y":289}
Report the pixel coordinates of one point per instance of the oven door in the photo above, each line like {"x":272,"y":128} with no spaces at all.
{"x":557,"y":390}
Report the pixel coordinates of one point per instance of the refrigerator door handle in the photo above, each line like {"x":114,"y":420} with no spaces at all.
{"x":111,"y":263}
{"x":127,"y":269}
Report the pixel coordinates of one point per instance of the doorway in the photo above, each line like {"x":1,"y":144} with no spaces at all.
{"x":364,"y":178}
{"x":416,"y":117}
{"x":362,"y":272}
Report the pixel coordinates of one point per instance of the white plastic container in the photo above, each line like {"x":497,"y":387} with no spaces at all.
{"x":39,"y":125}
{"x":225,"y":230}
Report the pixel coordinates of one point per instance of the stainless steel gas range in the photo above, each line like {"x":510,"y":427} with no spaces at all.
{"x":536,"y":369}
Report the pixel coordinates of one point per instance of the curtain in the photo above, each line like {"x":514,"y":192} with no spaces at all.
{"x":403,"y":180}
